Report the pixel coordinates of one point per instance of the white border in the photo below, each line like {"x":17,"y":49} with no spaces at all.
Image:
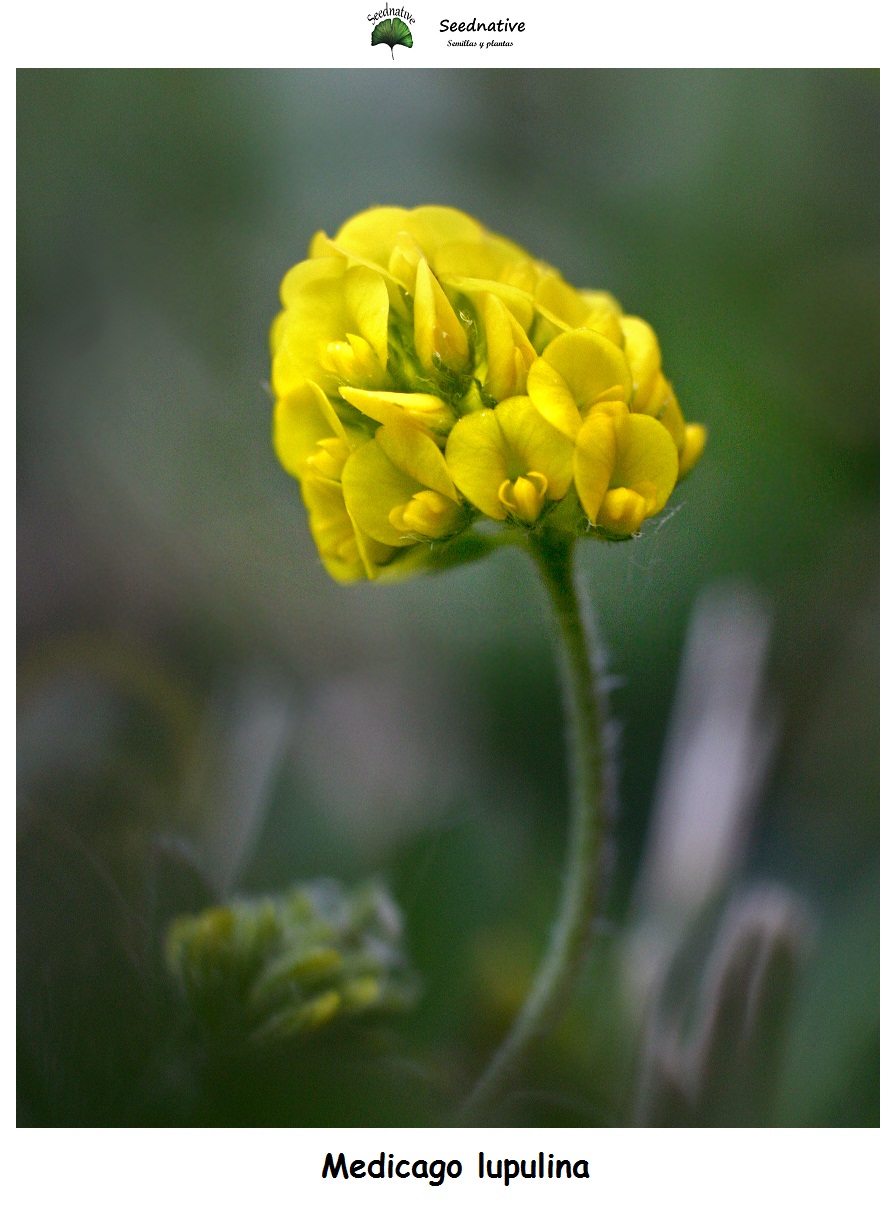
{"x":266,"y":1167}
{"x":337,"y":33}
{"x":697,"y":1169}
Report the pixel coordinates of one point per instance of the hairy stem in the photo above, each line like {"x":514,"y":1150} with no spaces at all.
{"x":589,"y":820}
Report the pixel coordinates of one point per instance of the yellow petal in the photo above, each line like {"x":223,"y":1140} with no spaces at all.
{"x":321,"y":246}
{"x":604,"y":313}
{"x":354,"y":362}
{"x":413,"y":452}
{"x":622,"y":512}
{"x":403,"y":262}
{"x":426,"y":411}
{"x":317,"y":315}
{"x":371,"y":234}
{"x":535,"y":445}
{"x":374,"y":554}
{"x":439,"y":336}
{"x":477,"y":456}
{"x":328,"y":458}
{"x":553,"y":398}
{"x":517,"y":301}
{"x":600,"y":299}
{"x":434,"y":226}
{"x":300,"y":421}
{"x":305,"y":274}
{"x":526,"y":274}
{"x":509,"y":353}
{"x":326,"y":301}
{"x":427,"y":514}
{"x":695,"y":439}
{"x":491,"y":448}
{"x":525,"y":496}
{"x":592,"y":366}
{"x":560,"y":302}
{"x":643,"y":355}
{"x":365,"y":294}
{"x":646,"y":460}
{"x":671,"y":418}
{"x":593,"y":461}
{"x":375,"y":489}
{"x":476,"y":259}
{"x":275,"y":332}
{"x":346,"y":554}
{"x":577,"y":370}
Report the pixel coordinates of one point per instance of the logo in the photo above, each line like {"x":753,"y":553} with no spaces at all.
{"x":504,"y":25}
{"x":394,"y":29}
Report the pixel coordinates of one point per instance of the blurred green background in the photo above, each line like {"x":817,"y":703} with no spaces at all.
{"x":203,"y":712}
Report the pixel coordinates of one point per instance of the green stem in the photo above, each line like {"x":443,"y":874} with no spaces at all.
{"x":590,"y":815}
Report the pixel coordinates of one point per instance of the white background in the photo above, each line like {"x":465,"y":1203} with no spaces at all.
{"x":714,"y":1168}
{"x":337,"y":33}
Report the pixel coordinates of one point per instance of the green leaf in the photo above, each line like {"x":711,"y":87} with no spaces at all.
{"x":392,"y":32}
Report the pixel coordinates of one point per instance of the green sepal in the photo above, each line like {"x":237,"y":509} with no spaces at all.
{"x":467,"y":546}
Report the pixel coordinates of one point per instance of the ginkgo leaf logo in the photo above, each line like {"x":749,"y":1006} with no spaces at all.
{"x":392,"y":32}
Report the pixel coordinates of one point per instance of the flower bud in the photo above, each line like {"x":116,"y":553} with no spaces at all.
{"x":275,"y":968}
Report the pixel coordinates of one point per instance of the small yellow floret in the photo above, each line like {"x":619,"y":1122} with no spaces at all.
{"x":427,"y":514}
{"x":622,"y":512}
{"x":354,"y":360}
{"x":525,"y":496}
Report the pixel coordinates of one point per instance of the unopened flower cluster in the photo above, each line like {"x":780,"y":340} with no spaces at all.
{"x":272,"y":968}
{"x":429,"y":374}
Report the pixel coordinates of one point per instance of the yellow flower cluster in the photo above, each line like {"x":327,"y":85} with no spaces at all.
{"x":429,"y":373}
{"x":273,"y":968}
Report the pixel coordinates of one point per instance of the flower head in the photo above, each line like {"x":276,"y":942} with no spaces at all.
{"x":273,"y":968}
{"x":430,"y":374}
